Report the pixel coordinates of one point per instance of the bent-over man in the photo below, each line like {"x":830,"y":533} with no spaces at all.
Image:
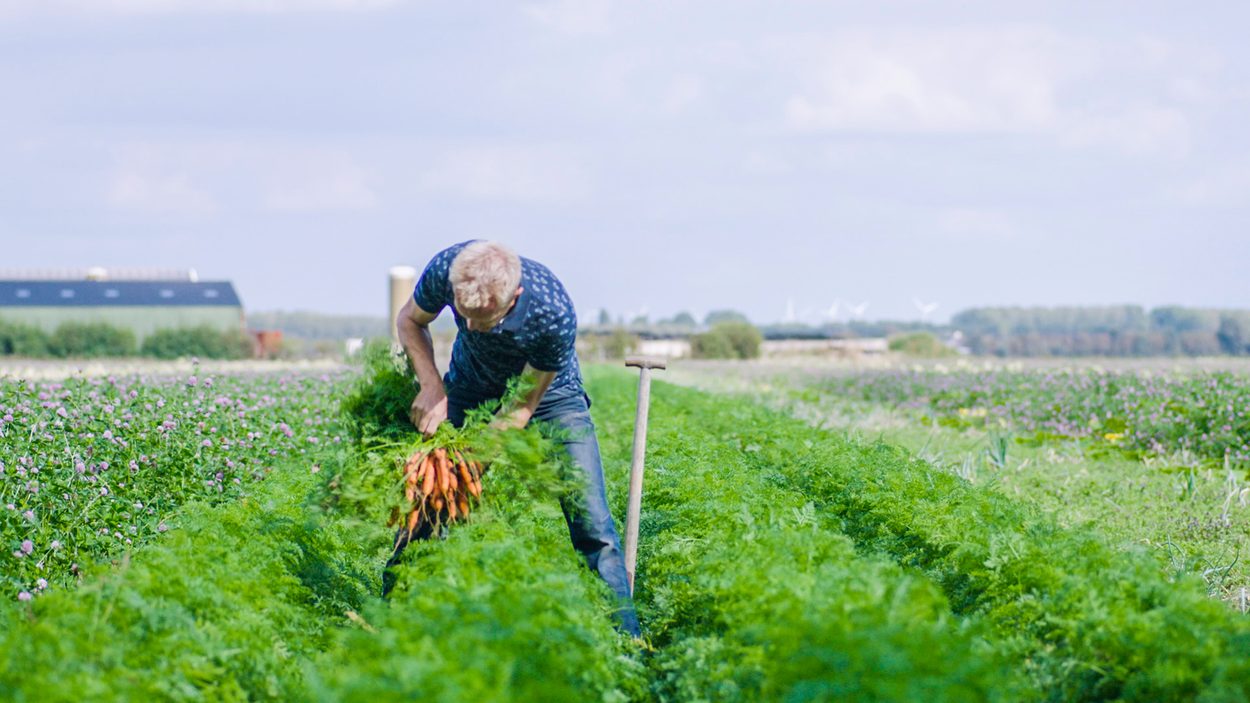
{"x":513,"y":316}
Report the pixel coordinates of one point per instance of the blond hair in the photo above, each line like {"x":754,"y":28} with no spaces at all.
{"x":485,"y":274}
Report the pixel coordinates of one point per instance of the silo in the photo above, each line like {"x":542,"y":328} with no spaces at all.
{"x":403,"y":280}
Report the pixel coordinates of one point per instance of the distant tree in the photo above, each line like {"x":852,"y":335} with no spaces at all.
{"x":605,"y":318}
{"x":619,"y":344}
{"x":716,"y":317}
{"x":727,"y":340}
{"x":920,"y":344}
{"x":1232,"y":336}
{"x":22,"y":340}
{"x":91,"y":339}
{"x":682,"y":319}
{"x":204,"y":342}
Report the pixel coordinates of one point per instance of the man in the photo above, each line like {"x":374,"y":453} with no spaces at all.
{"x":513,"y":317}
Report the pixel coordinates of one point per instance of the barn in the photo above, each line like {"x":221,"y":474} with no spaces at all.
{"x":137,"y":302}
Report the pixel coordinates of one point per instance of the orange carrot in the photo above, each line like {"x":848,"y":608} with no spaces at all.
{"x":444,"y":469}
{"x":431,"y":469}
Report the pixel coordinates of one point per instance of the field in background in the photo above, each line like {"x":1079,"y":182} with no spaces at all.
{"x":1191,"y":511}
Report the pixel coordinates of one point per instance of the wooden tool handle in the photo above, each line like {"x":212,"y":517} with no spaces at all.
{"x":646,"y":362}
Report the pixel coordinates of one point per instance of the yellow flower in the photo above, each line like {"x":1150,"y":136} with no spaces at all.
{"x":1113,"y":437}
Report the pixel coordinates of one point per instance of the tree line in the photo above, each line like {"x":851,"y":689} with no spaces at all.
{"x":1121,"y":330}
{"x":97,"y":340}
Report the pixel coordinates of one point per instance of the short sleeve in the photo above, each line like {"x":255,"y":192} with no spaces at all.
{"x":433,"y":290}
{"x":555,"y":345}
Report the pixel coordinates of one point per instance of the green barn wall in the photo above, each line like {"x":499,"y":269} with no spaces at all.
{"x":142,"y":320}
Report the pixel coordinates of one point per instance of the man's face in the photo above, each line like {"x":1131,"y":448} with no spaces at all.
{"x":484,"y":319}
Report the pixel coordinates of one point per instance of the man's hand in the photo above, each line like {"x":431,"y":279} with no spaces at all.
{"x":517,"y":419}
{"x":429,"y":410}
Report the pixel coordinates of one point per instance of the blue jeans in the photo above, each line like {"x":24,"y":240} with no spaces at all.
{"x":590,"y":523}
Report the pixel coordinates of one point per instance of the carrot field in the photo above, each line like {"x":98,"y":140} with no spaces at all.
{"x":222,"y":538}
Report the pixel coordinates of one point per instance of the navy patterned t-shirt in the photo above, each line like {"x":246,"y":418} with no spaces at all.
{"x":540,"y":330}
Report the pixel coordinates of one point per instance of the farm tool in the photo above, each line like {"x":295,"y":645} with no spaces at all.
{"x":440,"y":485}
{"x":644,"y":364}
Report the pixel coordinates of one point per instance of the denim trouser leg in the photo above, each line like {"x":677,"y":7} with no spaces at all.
{"x":590,"y":523}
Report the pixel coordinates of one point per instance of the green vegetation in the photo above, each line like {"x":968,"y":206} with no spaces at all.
{"x":1125,"y":330}
{"x":1086,"y":621}
{"x":922,"y":345}
{"x":99,"y":340}
{"x":727,"y":340}
{"x":750,"y":593}
{"x":203,"y":342}
{"x":777,"y":562}
{"x":84,"y":339}
{"x":22,"y":340}
{"x":90,"y":467}
{"x":1200,"y":416}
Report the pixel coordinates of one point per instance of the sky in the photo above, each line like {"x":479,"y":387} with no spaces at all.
{"x":797,"y":161}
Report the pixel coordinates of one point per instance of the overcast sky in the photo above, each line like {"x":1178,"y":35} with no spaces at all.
{"x":658,"y":156}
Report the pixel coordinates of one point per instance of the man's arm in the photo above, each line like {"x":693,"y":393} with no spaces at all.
{"x":519,"y":416}
{"x":429,"y":408}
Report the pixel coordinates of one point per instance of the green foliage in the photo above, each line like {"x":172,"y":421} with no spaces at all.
{"x":716,"y":317}
{"x":90,"y":467}
{"x":1233,"y":336}
{"x":22,"y":340}
{"x":500,"y":610}
{"x":1086,"y":621}
{"x":261,"y":599}
{"x":920,"y":345}
{"x":1126,"y":330}
{"x":727,"y":340}
{"x":749,"y":594}
{"x":377,"y":405}
{"x":1130,"y":414}
{"x":203,"y":342}
{"x":226,"y":607}
{"x":619,"y":344}
{"x":89,"y":339}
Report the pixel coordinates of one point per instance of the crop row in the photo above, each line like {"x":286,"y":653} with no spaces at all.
{"x":91,"y":467}
{"x":274,"y":597}
{"x":749,"y":593}
{"x":1204,"y":415}
{"x":1087,"y":622}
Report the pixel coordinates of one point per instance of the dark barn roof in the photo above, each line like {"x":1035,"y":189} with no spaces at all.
{"x":116,"y":293}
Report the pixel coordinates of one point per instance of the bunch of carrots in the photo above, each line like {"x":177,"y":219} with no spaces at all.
{"x":439,"y":485}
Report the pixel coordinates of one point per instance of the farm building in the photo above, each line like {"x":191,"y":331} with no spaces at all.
{"x":137,"y":301}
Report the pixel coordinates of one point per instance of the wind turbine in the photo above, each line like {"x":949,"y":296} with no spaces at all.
{"x":926,"y":309}
{"x":832,"y":312}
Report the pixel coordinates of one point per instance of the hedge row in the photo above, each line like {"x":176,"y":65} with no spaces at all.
{"x":94,"y":340}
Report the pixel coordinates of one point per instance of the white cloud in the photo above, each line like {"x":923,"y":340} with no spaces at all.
{"x":312,"y":179}
{"x":1000,"y":80}
{"x":200,"y":177}
{"x":576,"y":17}
{"x":512,"y":173}
{"x":976,"y":224}
{"x":155,"y":191}
{"x":1146,"y":129}
{"x":17,"y":8}
{"x":927,"y":81}
{"x":1224,"y":186}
